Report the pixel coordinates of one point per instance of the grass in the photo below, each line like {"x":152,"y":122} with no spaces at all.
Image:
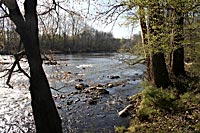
{"x":166,"y":110}
{"x":120,"y":129}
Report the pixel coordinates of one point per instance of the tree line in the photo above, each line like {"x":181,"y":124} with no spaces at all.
{"x":87,"y":39}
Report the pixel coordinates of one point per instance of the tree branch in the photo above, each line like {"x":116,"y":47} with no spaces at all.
{"x":5,"y":16}
{"x":15,"y":14}
{"x":18,"y":57}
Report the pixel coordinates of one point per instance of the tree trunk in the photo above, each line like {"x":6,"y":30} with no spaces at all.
{"x":46,"y":117}
{"x":178,"y":62}
{"x":177,"y":66}
{"x":156,"y":66}
{"x":143,"y":28}
{"x":157,"y":71}
{"x":144,"y":37}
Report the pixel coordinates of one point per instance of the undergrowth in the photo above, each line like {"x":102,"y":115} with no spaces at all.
{"x":166,"y":110}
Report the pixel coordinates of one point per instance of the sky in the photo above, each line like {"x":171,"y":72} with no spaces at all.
{"x":118,"y":29}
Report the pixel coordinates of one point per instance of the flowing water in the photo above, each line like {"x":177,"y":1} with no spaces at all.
{"x":80,"y":110}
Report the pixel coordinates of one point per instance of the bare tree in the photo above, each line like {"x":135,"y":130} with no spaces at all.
{"x":46,"y":117}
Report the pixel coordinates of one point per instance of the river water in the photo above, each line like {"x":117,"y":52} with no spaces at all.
{"x":81,"y":110}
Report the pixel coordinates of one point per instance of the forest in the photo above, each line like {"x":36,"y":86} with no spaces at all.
{"x":163,"y":60}
{"x":87,"y":40}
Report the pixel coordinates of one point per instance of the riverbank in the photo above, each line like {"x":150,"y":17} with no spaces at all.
{"x":166,"y":110}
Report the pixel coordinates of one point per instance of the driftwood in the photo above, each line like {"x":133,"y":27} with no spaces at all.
{"x":135,"y":61}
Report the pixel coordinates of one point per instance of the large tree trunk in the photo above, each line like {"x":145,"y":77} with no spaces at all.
{"x":157,"y":71}
{"x":156,"y":66}
{"x":46,"y":117}
{"x":177,"y":66}
{"x":178,"y":62}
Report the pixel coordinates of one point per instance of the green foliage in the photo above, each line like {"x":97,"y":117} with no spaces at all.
{"x":145,"y":113}
{"x":120,"y":129}
{"x":155,"y":101}
{"x":165,"y":110}
{"x":193,"y":57}
{"x":162,"y":19}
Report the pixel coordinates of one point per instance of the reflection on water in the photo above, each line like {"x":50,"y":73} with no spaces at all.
{"x":76,"y":113}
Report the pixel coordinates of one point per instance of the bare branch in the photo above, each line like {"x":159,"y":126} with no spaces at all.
{"x":58,"y":90}
{"x":5,"y":16}
{"x":49,"y":10}
{"x":4,"y":10}
{"x":88,"y":6}
{"x":10,"y":74}
{"x":18,"y":57}
{"x":67,"y":10}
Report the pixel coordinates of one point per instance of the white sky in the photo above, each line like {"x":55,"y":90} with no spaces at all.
{"x":118,"y":30}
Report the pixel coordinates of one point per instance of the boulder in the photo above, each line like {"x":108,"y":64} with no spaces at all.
{"x":109,"y":85}
{"x":59,"y":107}
{"x":92,"y":102}
{"x":99,"y":85}
{"x":69,"y":72}
{"x":102,"y":91}
{"x":62,"y":96}
{"x":92,"y":88}
{"x":69,"y":102}
{"x":78,"y":80}
{"x":114,"y":77}
{"x":80,"y":86}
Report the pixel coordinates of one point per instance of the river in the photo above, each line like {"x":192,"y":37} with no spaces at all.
{"x":89,"y":90}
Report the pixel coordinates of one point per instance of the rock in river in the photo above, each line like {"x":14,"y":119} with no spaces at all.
{"x":114,"y":77}
{"x":109,"y":85}
{"x":99,"y":85}
{"x":102,"y":91}
{"x":92,"y":101}
{"x":81,"y":86}
{"x":78,"y":80}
